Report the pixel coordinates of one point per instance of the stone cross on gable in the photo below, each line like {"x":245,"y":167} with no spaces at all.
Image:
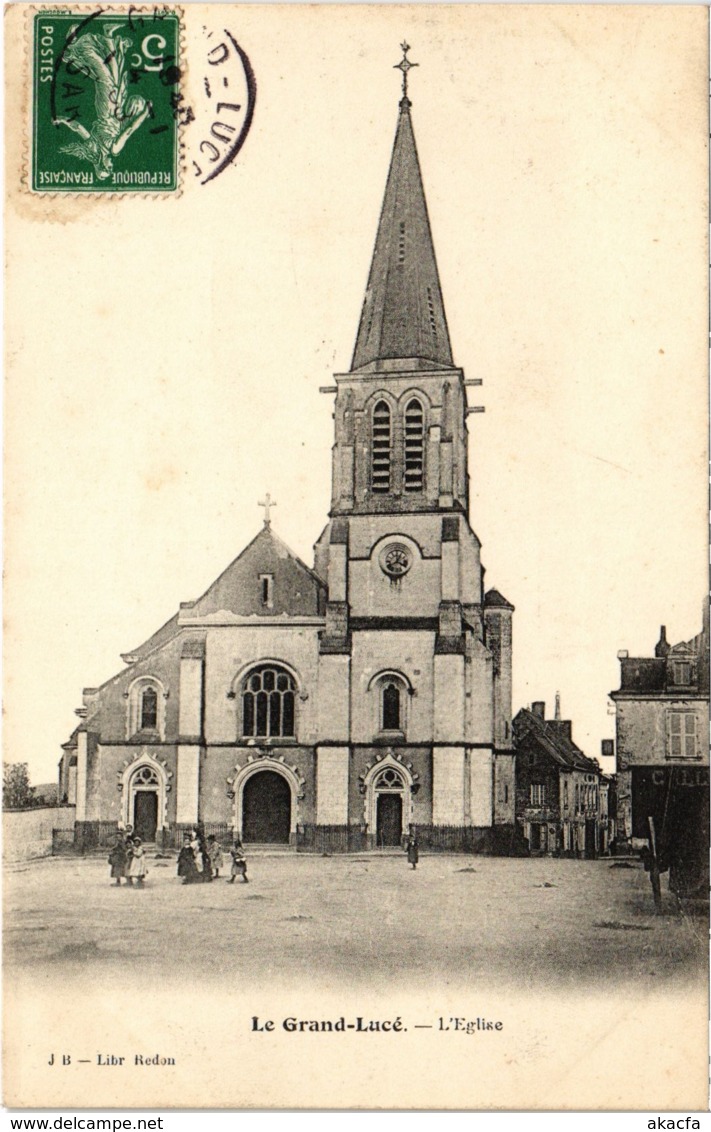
{"x":267,"y":503}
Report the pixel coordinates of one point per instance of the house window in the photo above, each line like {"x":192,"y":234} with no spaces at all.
{"x":149,"y":709}
{"x":381,"y":448}
{"x":268,"y":703}
{"x":266,"y":590}
{"x":538,"y":794}
{"x":565,"y":793}
{"x":506,"y":794}
{"x":681,"y":671}
{"x":681,"y":735}
{"x":414,"y":445}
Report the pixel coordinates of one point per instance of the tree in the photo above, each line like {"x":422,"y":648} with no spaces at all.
{"x":16,"y":789}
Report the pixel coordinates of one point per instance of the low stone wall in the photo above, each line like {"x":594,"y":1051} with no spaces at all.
{"x":28,"y":833}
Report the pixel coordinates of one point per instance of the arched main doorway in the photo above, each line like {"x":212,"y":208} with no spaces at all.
{"x":266,"y":808}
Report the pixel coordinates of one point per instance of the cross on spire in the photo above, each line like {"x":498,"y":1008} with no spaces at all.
{"x":267,"y":503}
{"x":404,"y":65}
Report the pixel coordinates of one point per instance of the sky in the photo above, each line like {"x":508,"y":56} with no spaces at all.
{"x":164,"y":356}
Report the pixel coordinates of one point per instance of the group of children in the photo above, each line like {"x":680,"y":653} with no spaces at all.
{"x":201,"y":859}
{"x":128,"y":859}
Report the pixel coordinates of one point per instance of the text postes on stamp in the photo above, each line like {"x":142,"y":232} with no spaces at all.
{"x":106,"y":101}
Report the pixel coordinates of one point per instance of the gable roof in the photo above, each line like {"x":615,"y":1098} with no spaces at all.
{"x":296,"y":591}
{"x":553,"y":739}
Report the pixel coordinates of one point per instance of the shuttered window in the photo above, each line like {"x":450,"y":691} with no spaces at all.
{"x":681,"y":735}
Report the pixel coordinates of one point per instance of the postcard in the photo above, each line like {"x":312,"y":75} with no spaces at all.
{"x":356,"y":402}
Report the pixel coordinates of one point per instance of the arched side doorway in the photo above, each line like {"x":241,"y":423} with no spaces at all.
{"x":144,"y":788}
{"x":388,"y":823}
{"x":388,"y":803}
{"x":266,"y":808}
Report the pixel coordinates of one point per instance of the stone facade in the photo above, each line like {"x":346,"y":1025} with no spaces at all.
{"x":339,"y":705}
{"x":662,"y":725}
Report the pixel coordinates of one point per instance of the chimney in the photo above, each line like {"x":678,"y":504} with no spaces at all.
{"x":662,"y":647}
{"x":557,"y":705}
{"x":539,"y":709}
{"x":564,"y":727}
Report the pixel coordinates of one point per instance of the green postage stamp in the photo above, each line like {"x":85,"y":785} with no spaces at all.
{"x":106,"y":100}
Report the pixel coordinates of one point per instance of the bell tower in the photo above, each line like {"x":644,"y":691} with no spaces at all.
{"x":414,"y":657}
{"x":400,"y":412}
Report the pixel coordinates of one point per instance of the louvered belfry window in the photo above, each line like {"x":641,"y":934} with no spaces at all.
{"x":414,"y":445}
{"x":382,"y":448}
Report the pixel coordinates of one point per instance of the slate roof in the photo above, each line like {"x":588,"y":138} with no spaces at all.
{"x":494,"y":598}
{"x":403,"y":312}
{"x":653,"y":674}
{"x":553,"y":740}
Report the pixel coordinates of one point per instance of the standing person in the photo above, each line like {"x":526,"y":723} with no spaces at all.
{"x":137,"y":868}
{"x":214,"y":852}
{"x":201,"y":856}
{"x":412,"y":848}
{"x":197,"y":856}
{"x":128,"y":848}
{"x":186,"y":862}
{"x":204,"y":849}
{"x":117,"y":860}
{"x":239,"y":863}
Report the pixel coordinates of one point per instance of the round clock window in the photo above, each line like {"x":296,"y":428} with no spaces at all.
{"x":395,"y":559}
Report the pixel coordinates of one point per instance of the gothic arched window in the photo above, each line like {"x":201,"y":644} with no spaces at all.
{"x":381,"y":448}
{"x":414,"y":445}
{"x":146,"y":699}
{"x":268,"y":703}
{"x":149,"y":709}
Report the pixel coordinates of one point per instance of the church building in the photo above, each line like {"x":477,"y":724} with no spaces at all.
{"x":334,"y":706}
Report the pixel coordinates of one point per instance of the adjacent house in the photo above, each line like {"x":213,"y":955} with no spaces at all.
{"x":562,"y":796}
{"x":663,"y":756}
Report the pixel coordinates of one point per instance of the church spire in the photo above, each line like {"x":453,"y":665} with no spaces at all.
{"x":403,"y":317}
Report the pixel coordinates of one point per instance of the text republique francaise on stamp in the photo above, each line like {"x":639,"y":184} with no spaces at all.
{"x":106,"y":100}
